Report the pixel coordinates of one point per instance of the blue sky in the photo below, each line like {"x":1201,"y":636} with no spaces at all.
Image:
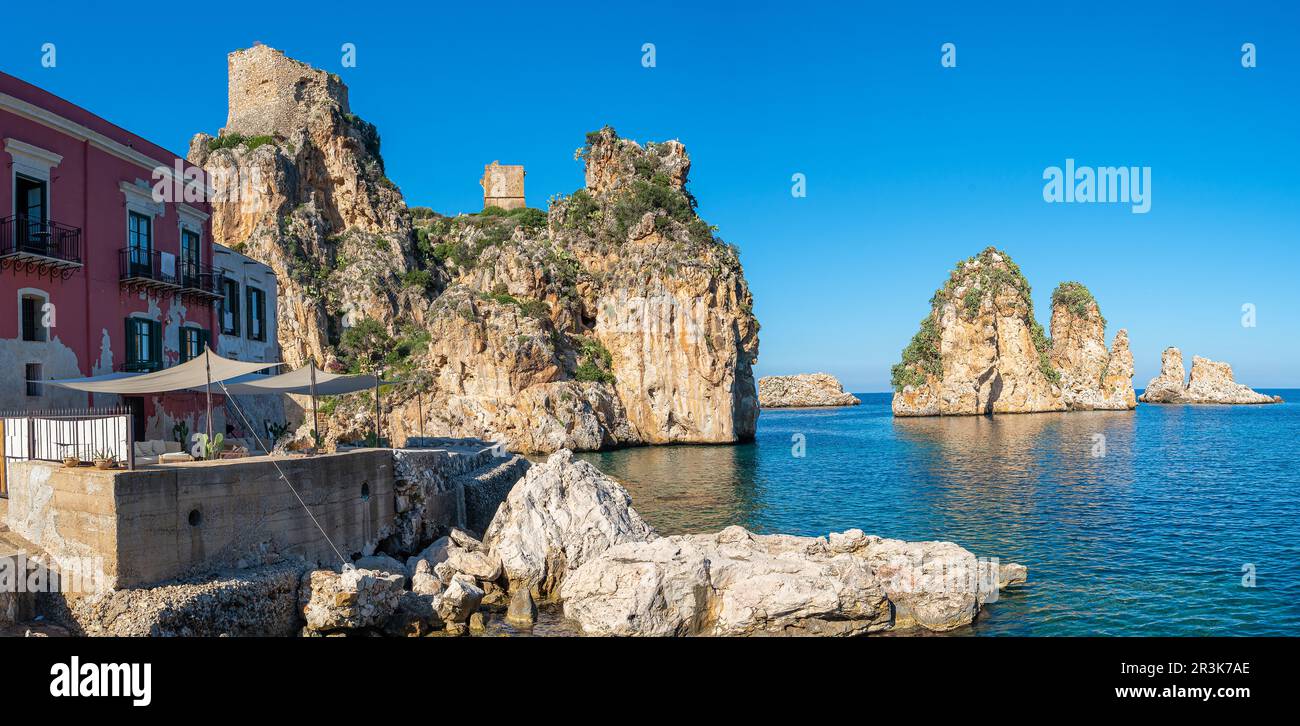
{"x":910,"y":166}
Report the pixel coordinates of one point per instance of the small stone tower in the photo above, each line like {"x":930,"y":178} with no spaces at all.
{"x":503,"y":186}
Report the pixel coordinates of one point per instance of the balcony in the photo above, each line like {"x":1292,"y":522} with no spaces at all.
{"x":202,"y":281}
{"x":39,"y":245}
{"x":147,"y":270}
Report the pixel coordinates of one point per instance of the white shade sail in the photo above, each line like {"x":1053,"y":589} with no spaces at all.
{"x":299,"y":382}
{"x":195,"y":373}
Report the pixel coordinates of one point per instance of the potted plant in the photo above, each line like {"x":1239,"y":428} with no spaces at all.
{"x":104,"y":459}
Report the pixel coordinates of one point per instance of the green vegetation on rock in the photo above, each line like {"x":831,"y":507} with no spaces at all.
{"x":1076,"y":297}
{"x":920,"y":357}
{"x":596,"y":362}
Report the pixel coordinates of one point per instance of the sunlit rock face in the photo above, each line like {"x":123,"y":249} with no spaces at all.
{"x":614,"y":318}
{"x":1210,"y":382}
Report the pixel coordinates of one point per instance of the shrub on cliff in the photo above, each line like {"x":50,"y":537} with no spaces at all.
{"x":596,"y":361}
{"x":920,"y":357}
{"x":1076,"y":297}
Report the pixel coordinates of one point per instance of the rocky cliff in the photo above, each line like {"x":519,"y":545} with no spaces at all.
{"x":1211,"y":382}
{"x":616,"y":317}
{"x":803,"y":390}
{"x":981,"y":351}
{"x":1091,"y":376}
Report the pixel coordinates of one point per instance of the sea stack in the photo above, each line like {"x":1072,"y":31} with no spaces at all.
{"x":1092,"y":378}
{"x":980,"y":350}
{"x":1211,"y":382}
{"x":805,"y":390}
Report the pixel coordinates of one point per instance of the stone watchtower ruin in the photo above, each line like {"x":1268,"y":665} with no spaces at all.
{"x":503,"y":186}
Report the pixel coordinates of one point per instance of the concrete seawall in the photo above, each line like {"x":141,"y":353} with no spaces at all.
{"x":160,"y":523}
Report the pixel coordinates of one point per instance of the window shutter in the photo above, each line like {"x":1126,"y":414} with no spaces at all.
{"x":204,"y":337}
{"x":155,"y":343}
{"x":130,"y":341}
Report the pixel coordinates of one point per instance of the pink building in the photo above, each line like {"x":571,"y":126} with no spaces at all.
{"x":96,"y":274}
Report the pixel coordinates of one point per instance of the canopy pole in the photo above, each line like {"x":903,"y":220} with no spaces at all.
{"x":207,"y":368}
{"x":419,"y":406}
{"x":376,"y":407}
{"x":315,"y":419}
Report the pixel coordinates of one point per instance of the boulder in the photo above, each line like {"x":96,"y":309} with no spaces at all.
{"x":562,"y":514}
{"x":802,"y":391}
{"x":480,"y":565}
{"x":730,"y":583}
{"x":424,"y":581}
{"x":938,"y":586}
{"x":349,"y":600}
{"x":414,"y":617}
{"x":433,"y":554}
{"x":381,"y":563}
{"x":459,"y":600}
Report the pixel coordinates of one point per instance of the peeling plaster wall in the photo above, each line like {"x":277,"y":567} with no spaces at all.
{"x":57,"y":360}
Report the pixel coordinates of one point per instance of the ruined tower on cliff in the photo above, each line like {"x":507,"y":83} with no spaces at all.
{"x":503,"y":186}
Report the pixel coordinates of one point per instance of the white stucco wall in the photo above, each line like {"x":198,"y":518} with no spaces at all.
{"x":249,"y":273}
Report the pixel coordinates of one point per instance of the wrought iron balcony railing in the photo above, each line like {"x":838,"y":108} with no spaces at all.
{"x":149,"y":269}
{"x":31,"y":240}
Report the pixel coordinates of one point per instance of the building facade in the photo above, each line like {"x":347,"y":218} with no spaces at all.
{"x":104,"y":265}
{"x":246,"y":325}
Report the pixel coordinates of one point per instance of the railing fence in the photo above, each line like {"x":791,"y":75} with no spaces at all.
{"x":63,"y":433}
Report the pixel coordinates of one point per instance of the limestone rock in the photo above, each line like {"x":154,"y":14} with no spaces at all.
{"x":563,"y":513}
{"x":414,"y":617}
{"x":434,"y":554}
{"x":1091,"y":376}
{"x":522,"y":612}
{"x":583,"y":328}
{"x":459,"y":600}
{"x":349,"y":600}
{"x":803,"y":390}
{"x":381,"y":563}
{"x":980,"y":350}
{"x":738,"y":583}
{"x":1211,"y":382}
{"x":479,"y":565}
{"x":424,"y":581}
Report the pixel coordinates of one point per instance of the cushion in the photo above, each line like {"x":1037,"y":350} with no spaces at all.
{"x":172,"y":447}
{"x":142,"y":449}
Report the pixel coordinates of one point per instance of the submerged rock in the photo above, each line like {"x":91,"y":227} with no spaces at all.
{"x":563,"y":513}
{"x":803,"y":390}
{"x":522,"y":612}
{"x":1211,"y":382}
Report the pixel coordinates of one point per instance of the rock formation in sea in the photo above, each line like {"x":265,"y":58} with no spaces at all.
{"x":803,"y":390}
{"x":1091,"y":376}
{"x":980,"y":350}
{"x":616,"y":317}
{"x":1211,"y":382}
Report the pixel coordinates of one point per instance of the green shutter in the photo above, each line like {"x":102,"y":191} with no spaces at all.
{"x":204,"y":337}
{"x":129,"y":338}
{"x":155,"y":343}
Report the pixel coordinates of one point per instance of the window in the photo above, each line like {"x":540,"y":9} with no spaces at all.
{"x":230,"y":308}
{"x":256,"y":314}
{"x":32,"y":310}
{"x":34,"y":378}
{"x":30,"y":202}
{"x":143,"y":344}
{"x":190,"y":257}
{"x":193,"y":342}
{"x":139,"y":237}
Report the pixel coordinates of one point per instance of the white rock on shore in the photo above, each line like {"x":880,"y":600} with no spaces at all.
{"x":568,"y":532}
{"x":805,"y":390}
{"x":562,"y":513}
{"x":1211,"y":382}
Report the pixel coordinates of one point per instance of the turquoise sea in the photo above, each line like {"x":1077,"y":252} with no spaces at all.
{"x":1157,"y":534}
